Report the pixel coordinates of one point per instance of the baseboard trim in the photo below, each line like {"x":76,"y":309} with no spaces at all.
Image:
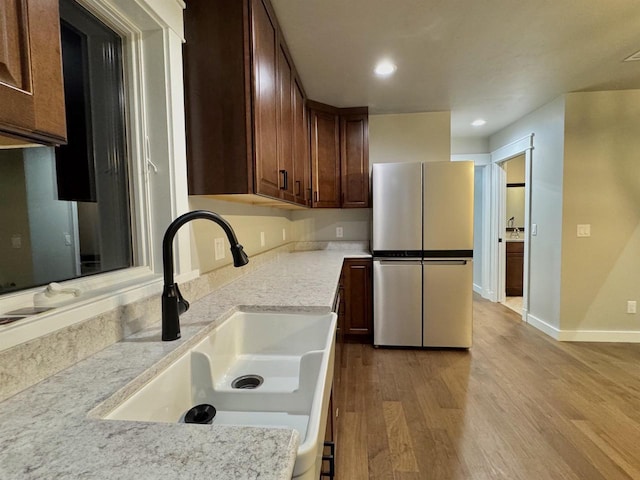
{"x":612,"y":336}
{"x":543,"y":326}
{"x":609,"y":336}
{"x":481,"y":291}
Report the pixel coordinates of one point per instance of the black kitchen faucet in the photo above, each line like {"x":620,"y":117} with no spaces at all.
{"x":173,"y":303}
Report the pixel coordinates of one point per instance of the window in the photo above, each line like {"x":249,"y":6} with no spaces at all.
{"x":151,"y":36}
{"x":65,"y":211}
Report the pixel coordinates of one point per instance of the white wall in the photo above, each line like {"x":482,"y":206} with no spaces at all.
{"x":480,"y":223}
{"x":411,"y":137}
{"x":547,"y":125}
{"x":320,"y":224}
{"x":247,"y":221}
{"x":600,"y":273}
{"x":469,"y":145}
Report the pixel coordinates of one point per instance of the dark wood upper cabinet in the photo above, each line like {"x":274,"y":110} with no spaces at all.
{"x":265,"y":92}
{"x":302,"y":163}
{"x":339,"y":156}
{"x":243,"y":100}
{"x":325,"y":157}
{"x":31,"y":91}
{"x":354,"y":154}
{"x":285,"y":164}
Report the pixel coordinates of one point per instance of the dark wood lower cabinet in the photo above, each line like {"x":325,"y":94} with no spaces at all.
{"x":514,"y":269}
{"x":358,"y":294}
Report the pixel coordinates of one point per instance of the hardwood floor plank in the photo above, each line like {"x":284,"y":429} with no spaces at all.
{"x":400,"y":444}
{"x":518,"y":405}
{"x":352,"y":454}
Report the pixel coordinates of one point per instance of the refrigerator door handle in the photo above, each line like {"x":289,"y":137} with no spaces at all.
{"x":444,"y":262}
{"x":399,"y":261}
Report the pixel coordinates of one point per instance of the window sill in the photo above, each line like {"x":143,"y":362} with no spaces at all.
{"x":100,"y":294}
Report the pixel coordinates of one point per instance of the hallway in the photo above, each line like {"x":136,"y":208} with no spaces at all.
{"x":517,"y":405}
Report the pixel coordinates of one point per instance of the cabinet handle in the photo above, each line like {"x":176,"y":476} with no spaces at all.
{"x":298,"y":188}
{"x":315,"y":197}
{"x":309,"y":192}
{"x":285,"y":180}
{"x":341,"y":199}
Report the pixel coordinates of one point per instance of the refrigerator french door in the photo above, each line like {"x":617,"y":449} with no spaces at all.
{"x":423,"y":249}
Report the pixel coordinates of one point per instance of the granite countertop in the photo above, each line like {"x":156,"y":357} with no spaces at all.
{"x":46,"y":431}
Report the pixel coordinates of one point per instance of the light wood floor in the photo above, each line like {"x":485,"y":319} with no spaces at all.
{"x":518,"y":405}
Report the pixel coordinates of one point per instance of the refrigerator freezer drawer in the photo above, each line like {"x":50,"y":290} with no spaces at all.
{"x":448,"y":303}
{"x":397,"y":303}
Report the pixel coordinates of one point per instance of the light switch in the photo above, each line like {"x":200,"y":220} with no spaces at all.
{"x":67,"y":239}
{"x":534,"y":229}
{"x":584,"y":230}
{"x":262,"y":239}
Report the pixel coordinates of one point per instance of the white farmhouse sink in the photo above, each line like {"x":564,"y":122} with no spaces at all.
{"x":292,"y":352}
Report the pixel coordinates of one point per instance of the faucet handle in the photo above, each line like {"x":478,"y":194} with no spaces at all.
{"x":173,"y":305}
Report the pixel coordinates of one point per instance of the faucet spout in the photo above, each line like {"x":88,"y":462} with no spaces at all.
{"x":173,"y":303}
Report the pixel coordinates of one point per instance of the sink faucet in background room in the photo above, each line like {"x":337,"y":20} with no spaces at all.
{"x":515,"y":231}
{"x":173,"y":304}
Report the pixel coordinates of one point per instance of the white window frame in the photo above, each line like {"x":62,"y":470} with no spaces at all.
{"x":152,"y":33}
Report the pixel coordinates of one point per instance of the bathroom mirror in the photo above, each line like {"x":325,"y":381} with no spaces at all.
{"x":515,"y":206}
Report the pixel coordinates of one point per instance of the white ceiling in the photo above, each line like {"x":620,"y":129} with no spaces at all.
{"x":495,"y":59}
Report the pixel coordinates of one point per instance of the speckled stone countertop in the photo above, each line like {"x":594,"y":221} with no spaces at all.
{"x":46,"y":431}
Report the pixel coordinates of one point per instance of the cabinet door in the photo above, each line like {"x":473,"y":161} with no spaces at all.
{"x":285,"y":126}
{"x":302,"y":161}
{"x":31,"y":92}
{"x":354,"y":153}
{"x":358,"y":296}
{"x":325,"y":159}
{"x":514,"y":269}
{"x":265,"y":98}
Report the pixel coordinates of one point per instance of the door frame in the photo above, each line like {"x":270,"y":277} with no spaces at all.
{"x":496,"y":248}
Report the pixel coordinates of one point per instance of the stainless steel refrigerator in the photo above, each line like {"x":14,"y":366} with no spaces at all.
{"x":423,"y":254}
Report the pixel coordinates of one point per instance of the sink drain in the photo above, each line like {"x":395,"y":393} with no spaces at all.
{"x":247,"y":382}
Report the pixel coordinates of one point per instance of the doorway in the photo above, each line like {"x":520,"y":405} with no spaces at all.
{"x":514,"y":233}
{"x":510,"y":224}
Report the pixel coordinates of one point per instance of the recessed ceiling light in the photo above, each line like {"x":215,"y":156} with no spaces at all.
{"x":385,"y":68}
{"x":479,"y":122}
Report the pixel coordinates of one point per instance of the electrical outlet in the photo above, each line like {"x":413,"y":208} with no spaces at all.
{"x":631,"y":306}
{"x":262,"y":240}
{"x":339,"y":232}
{"x":584,"y":230}
{"x":218,"y":244}
{"x":284,"y":234}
